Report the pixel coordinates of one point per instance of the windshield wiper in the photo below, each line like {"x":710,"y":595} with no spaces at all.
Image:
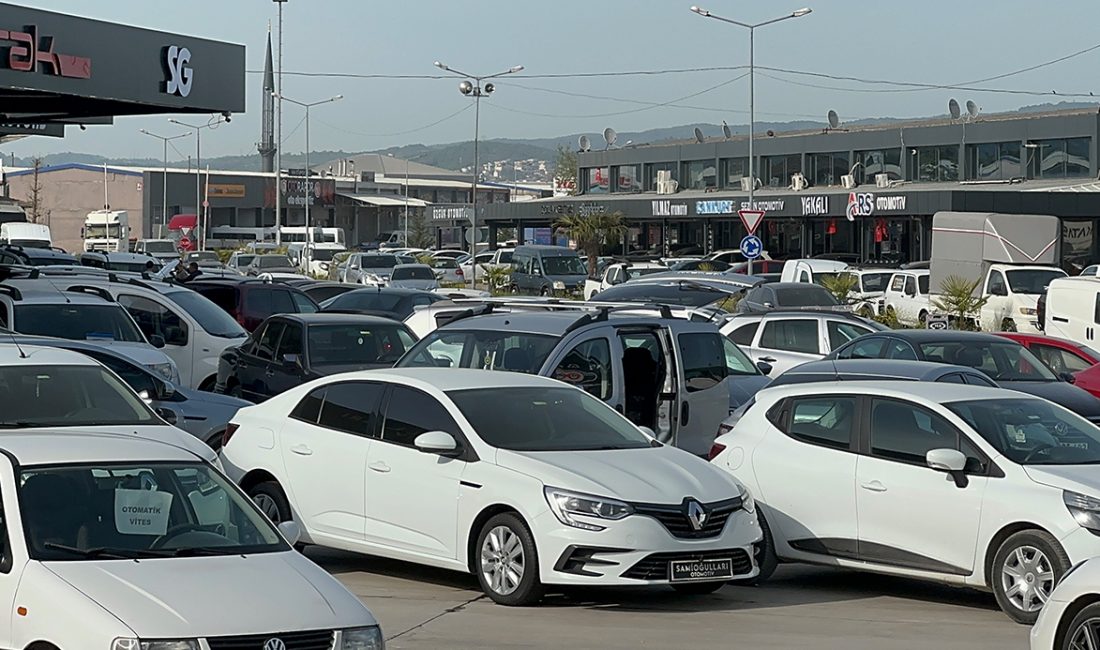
{"x":103,"y":552}
{"x":202,"y":551}
{"x":20,"y":424}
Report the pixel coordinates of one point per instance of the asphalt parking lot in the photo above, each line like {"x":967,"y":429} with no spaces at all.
{"x":801,"y":607}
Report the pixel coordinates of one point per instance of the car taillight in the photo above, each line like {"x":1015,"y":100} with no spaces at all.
{"x":715,"y":449}
{"x":459,"y":272}
{"x":230,"y":429}
{"x":724,"y":428}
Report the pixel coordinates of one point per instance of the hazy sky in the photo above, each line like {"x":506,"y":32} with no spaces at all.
{"x":930,"y":41}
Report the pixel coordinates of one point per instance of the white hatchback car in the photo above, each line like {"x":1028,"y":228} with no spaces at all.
{"x":521,"y":480}
{"x":967,"y":485}
{"x":1071,"y":618}
{"x":142,"y":545}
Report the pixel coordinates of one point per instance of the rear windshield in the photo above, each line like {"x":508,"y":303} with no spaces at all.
{"x":355,"y":344}
{"x":210,"y":316}
{"x":379,"y":261}
{"x":563,"y":265}
{"x":413,"y":273}
{"x":70,"y":396}
{"x":273,"y":262}
{"x":78,"y":322}
{"x":487,"y":350}
{"x":160,"y":247}
{"x":808,"y":296}
{"x":365,"y":301}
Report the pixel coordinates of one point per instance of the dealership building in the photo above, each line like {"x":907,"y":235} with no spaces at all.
{"x":866,"y":193}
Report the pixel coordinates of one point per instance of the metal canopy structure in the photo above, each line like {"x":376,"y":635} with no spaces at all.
{"x":57,"y":69}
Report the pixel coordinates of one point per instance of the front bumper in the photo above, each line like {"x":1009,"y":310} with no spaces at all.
{"x":638,"y":550}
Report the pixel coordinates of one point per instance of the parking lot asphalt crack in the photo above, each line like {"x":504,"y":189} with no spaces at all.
{"x":450,"y":610}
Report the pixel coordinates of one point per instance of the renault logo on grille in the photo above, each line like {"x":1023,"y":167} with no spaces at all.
{"x":274,"y":644}
{"x":696,"y":514}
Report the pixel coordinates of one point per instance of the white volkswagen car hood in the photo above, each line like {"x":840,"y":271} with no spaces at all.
{"x":651,"y":475}
{"x":216,"y":596}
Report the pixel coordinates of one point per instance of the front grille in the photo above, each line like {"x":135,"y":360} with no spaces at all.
{"x":313,"y":640}
{"x":675,"y":520}
{"x":655,"y":566}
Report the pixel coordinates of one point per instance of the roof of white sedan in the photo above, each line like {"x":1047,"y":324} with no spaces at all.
{"x":48,"y":448}
{"x":34,"y":355}
{"x":447,"y":379}
{"x":940,"y":392}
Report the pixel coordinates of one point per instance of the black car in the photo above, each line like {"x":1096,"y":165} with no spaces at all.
{"x":786,"y":295}
{"x":387,"y":302}
{"x":321,"y":290}
{"x":290,"y":349}
{"x":1006,"y":362}
{"x":31,"y":256}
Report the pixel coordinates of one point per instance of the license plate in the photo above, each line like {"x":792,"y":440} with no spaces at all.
{"x":688,"y":570}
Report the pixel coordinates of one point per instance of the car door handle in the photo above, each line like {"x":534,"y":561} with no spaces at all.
{"x":685,"y":413}
{"x":270,"y":373}
{"x":380,"y":467}
{"x":301,"y":450}
{"x":767,"y":359}
{"x":873,"y":486}
{"x":1059,"y":319}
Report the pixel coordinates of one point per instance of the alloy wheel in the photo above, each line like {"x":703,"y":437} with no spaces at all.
{"x":1086,"y":636}
{"x":502,"y":560}
{"x":1027,"y":578}
{"x":267,"y":506}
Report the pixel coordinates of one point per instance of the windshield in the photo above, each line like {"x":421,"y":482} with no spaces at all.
{"x":819,"y":277}
{"x":369,"y":300}
{"x":323,"y":254}
{"x":687,"y":294}
{"x":138,"y":510}
{"x":211,"y":318}
{"x":1006,"y":361}
{"x":78,"y":322}
{"x":506,"y":257}
{"x":563,"y":265}
{"x":554,"y":419}
{"x":273,"y":262}
{"x":922,"y":284}
{"x":632,"y":272}
{"x":131,"y":267}
{"x":1032,"y":431}
{"x":354,"y":344}
{"x":379,"y":261}
{"x":200,"y":256}
{"x":1032,"y":281}
{"x":160,"y":247}
{"x":807,"y":296}
{"x":487,"y":350}
{"x":873,"y":282}
{"x":413,"y":273}
{"x":102,"y":232}
{"x":68,"y":396}
{"x":244,"y":259}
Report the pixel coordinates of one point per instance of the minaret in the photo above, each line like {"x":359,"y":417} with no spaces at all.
{"x":266,"y":146}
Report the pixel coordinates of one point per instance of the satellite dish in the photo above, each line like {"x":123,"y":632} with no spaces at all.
{"x":834,"y":119}
{"x":699,"y":135}
{"x":609,"y":136}
{"x":953,"y":108}
{"x":584,"y":143}
{"x":726,"y":130}
{"x":972,"y":108}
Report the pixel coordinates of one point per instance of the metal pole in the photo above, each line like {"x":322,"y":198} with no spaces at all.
{"x":752,"y":125}
{"x":406,"y":201}
{"x":306,"y":192}
{"x":473,"y":196}
{"x":279,"y":136}
{"x":198,"y":181}
{"x":164,"y":190}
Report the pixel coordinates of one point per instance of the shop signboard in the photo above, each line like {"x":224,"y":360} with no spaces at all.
{"x":666,"y":208}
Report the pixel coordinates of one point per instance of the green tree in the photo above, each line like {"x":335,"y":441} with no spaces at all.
{"x":420,"y":230}
{"x":840,"y":285}
{"x":565,"y":169}
{"x":593,"y":232}
{"x":957,"y":298}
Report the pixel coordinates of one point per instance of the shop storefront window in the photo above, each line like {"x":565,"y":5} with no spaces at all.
{"x":651,"y":170}
{"x":777,"y":170}
{"x":628,"y":178}
{"x":732,"y":170}
{"x":993,"y":161}
{"x":936,"y":164}
{"x":878,"y":161}
{"x":597,"y":180}
{"x":1077,"y":244}
{"x":699,"y":175}
{"x":1068,"y":158}
{"x":827,"y":168}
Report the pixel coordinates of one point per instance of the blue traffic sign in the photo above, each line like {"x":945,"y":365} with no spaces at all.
{"x":751,"y":247}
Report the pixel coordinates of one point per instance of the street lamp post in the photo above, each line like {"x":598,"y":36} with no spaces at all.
{"x":752,"y":82}
{"x":279,"y":132}
{"x":164,"y":186}
{"x":212,"y":124}
{"x":471,"y":85}
{"x":306,"y":253}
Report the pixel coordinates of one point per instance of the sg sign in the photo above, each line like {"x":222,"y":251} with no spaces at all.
{"x":180,"y":74}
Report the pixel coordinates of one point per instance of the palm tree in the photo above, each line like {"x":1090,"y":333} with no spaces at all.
{"x":593,"y":232}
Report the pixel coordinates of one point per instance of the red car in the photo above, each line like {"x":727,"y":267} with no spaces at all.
{"x":1064,"y":356}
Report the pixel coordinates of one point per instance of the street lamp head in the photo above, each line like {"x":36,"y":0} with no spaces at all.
{"x":514,"y":69}
{"x":441,"y":66}
{"x":700,"y":11}
{"x":336,"y":98}
{"x":801,"y":12}
{"x":465,"y":87}
{"x":146,"y":132}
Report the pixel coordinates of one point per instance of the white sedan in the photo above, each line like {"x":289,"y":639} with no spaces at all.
{"x":965,"y":485}
{"x":522,"y":480}
{"x":141,"y":545}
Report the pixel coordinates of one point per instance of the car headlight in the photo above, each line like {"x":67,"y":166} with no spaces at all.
{"x":362,"y":638}
{"x":166,"y":370}
{"x":747,"y":502}
{"x":567,"y":505}
{"x":1028,"y":311}
{"x":559,"y":285}
{"x":135,"y":644}
{"x":1085,"y":510}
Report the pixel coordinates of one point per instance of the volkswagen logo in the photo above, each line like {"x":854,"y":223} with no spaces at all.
{"x":274,"y":644}
{"x":696,"y":514}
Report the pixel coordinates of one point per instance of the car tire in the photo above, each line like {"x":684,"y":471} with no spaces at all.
{"x":271,"y":500}
{"x":544,"y":292}
{"x":922,"y":319}
{"x":1026,"y":564}
{"x":764,"y":553}
{"x":501,"y":568}
{"x":698,"y":588}
{"x":1076,"y":631}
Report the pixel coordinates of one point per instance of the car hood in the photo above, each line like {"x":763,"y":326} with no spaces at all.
{"x":568,"y":279}
{"x":1075,"y":478}
{"x":1064,"y":394}
{"x":215,"y":399}
{"x":426,"y":285}
{"x":142,"y":353}
{"x":744,"y":387}
{"x":651,"y":475}
{"x":186,"y":597}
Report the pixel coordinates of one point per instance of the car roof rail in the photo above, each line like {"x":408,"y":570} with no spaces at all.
{"x":20,"y":270}
{"x":11,"y":292}
{"x":476,"y":310}
{"x":95,"y":291}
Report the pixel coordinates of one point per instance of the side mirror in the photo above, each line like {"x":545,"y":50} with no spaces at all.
{"x":536,"y":271}
{"x":1067,"y":377}
{"x":998,"y":291}
{"x":293,"y":360}
{"x":436,"y":442}
{"x":146,"y":397}
{"x":649,"y":432}
{"x":157,"y":341}
{"x":769,"y":305}
{"x":168,"y":415}
{"x":164,"y":390}
{"x":291,"y":531}
{"x":764,"y":367}
{"x":951,"y":461}
{"x":910,"y":292}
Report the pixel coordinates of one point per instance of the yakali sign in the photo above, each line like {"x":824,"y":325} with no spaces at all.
{"x":30,"y":52}
{"x":864,"y":204}
{"x":814,"y":205}
{"x":664,"y":208}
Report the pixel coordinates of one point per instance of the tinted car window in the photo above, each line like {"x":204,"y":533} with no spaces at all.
{"x":410,"y":412}
{"x":357,"y":344}
{"x":78,"y":322}
{"x":351,"y":407}
{"x":281,"y":302}
{"x":900,"y":350}
{"x":309,"y":409}
{"x":922,"y":284}
{"x":379,"y":261}
{"x":291,"y":341}
{"x":588,"y":366}
{"x":906,"y":432}
{"x":69,"y":396}
{"x":790,"y":335}
{"x":808,"y":296}
{"x":745,"y":334}
{"x":952,"y":378}
{"x":563,"y":265}
{"x":369,"y":300}
{"x":841,"y":332}
{"x":864,"y":349}
{"x":825,"y":421}
{"x":1007,"y":361}
{"x":265,"y":348}
{"x":704,"y":360}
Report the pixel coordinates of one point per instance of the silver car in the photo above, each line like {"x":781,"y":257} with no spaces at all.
{"x":372,"y":268}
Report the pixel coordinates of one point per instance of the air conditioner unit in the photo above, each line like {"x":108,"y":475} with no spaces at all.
{"x":882,"y":180}
{"x":746,"y":183}
{"x":798,"y":182}
{"x":848,"y":181}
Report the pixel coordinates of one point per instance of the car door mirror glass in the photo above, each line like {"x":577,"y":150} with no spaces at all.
{"x":157,"y":341}
{"x":294,"y":360}
{"x":291,"y":531}
{"x":436,"y":442}
{"x":145,"y":396}
{"x":649,"y":432}
{"x":946,"y":460}
{"x":1067,"y":377}
{"x":168,"y":415}
{"x":764,"y":367}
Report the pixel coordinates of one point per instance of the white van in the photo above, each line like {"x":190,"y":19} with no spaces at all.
{"x":810,"y":270}
{"x":1073,"y":309}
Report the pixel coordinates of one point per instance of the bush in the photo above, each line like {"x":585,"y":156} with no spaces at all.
{"x":841,"y":286}
{"x":958,"y":301}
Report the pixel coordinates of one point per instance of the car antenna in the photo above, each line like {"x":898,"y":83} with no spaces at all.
{"x":22,"y":354}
